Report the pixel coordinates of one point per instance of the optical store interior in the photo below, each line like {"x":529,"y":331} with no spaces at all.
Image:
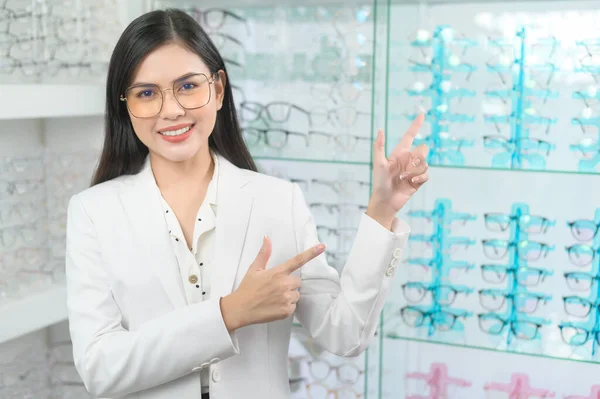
{"x":497,"y":294}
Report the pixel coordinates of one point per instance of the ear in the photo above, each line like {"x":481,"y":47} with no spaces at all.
{"x":219,"y":85}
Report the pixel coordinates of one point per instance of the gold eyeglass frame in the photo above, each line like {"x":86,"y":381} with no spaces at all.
{"x":210,"y":81}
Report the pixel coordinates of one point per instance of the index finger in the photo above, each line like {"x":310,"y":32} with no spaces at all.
{"x":299,"y":260}
{"x":408,"y":138}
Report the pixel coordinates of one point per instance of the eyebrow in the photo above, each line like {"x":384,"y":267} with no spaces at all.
{"x":182,"y":77}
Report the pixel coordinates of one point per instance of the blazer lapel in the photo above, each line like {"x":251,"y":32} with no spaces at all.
{"x":234,"y":205}
{"x":143,"y":205}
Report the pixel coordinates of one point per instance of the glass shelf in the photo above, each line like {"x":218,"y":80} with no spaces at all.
{"x":541,"y":171}
{"x":327,"y":161}
{"x":446,"y":167}
{"x":486,"y":349}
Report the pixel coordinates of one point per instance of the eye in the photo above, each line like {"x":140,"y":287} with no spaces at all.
{"x":188,"y":86}
{"x":145,"y":94}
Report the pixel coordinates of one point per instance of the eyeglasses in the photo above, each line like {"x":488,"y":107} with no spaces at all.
{"x":344,"y":233}
{"x":579,"y":307}
{"x":442,"y":320}
{"x":528,"y":223}
{"x":346,"y":187}
{"x":439,"y":262}
{"x":526,"y":145}
{"x":526,"y":302}
{"x":347,"y":142}
{"x":448,"y":217}
{"x":274,"y":138}
{"x":526,"y":250}
{"x":320,"y":391}
{"x":449,"y":245}
{"x":583,"y":229}
{"x":581,"y":254}
{"x":190,"y":92}
{"x":443,"y":294}
{"x":587,"y":126}
{"x":214,"y":18}
{"x":522,"y":327}
{"x":348,"y":92}
{"x":445,"y":149}
{"x":26,"y":258}
{"x":525,"y":276}
{"x":25,"y":235}
{"x":575,"y":334}
{"x":348,"y":373}
{"x":220,"y":40}
{"x":578,"y":281}
{"x":336,"y":208}
{"x":586,"y":149}
{"x":21,"y":212}
{"x":277,"y":111}
{"x":344,"y":116}
{"x":17,"y":188}
{"x":19,"y":165}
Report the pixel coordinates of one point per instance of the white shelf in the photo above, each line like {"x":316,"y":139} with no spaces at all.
{"x":39,"y":310}
{"x":33,"y":101}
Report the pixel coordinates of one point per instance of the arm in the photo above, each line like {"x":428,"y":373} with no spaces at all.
{"x":113,"y":361}
{"x":341,"y":312}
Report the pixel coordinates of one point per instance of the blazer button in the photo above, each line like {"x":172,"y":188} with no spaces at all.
{"x":215,"y":360}
{"x":216,"y":375}
{"x":193,"y":279}
{"x":390,"y":271}
{"x":394,"y":262}
{"x":397,"y":252}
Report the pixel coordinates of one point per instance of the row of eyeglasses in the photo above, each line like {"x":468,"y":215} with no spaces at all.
{"x":34,"y":194}
{"x":56,"y":40}
{"x":41,"y":372}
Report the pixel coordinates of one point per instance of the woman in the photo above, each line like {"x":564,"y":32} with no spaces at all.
{"x":175,"y":287}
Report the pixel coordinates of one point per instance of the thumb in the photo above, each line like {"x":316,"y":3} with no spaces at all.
{"x":260,"y":263}
{"x":379,"y":148}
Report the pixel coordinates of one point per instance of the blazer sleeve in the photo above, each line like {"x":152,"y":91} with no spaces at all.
{"x":341,"y":312}
{"x":113,"y":361}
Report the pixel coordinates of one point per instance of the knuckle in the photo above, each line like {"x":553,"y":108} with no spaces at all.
{"x":291,"y":308}
{"x":299,"y":259}
{"x":289,"y":296}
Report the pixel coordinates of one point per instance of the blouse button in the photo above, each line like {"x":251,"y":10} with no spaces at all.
{"x":193,"y":279}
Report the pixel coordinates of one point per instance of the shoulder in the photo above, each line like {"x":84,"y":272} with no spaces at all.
{"x":103,"y":194}
{"x":270,"y":185}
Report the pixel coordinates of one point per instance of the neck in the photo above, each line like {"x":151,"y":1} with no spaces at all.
{"x":173,"y":175}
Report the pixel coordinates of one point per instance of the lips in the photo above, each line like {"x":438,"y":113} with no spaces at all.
{"x":176,"y":130}
{"x":178,"y":134}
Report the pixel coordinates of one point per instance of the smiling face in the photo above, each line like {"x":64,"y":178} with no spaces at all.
{"x":176,"y":133}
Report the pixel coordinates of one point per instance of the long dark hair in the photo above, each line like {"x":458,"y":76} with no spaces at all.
{"x":123,"y":153}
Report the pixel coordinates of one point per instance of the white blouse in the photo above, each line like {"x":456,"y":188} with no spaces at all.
{"x":195,"y":262}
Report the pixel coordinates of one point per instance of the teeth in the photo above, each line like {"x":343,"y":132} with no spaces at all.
{"x":176,"y":132}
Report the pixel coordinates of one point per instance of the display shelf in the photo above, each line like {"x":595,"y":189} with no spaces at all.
{"x":327,"y":161}
{"x":33,"y":101}
{"x":439,"y":2}
{"x":536,"y":171}
{"x":485,"y":349}
{"x":269,"y":3}
{"x":38,"y":310}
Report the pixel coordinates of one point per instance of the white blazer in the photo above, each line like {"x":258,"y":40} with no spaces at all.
{"x":135,"y":336}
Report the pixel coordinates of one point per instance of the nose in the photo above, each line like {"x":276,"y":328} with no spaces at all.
{"x":171,"y":109}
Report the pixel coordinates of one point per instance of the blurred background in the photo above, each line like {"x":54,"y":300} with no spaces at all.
{"x":503,"y":260}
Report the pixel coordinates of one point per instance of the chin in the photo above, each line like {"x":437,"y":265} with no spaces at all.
{"x":179,"y":156}
{"x":181,"y":153}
